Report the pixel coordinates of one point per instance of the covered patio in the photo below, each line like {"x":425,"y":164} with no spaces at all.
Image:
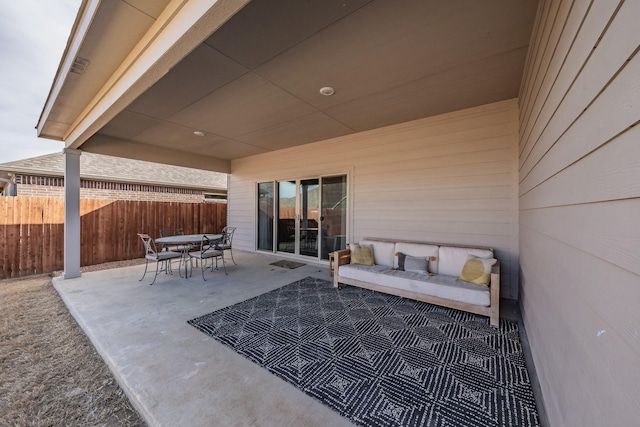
{"x":176,"y":375}
{"x":502,"y":124}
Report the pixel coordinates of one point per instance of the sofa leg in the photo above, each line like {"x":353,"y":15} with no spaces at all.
{"x":494,"y":318}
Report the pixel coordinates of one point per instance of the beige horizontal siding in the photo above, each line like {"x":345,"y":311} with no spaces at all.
{"x":580,"y":34}
{"x":450,"y":178}
{"x":579,"y":207}
{"x":574,"y":301}
{"x":609,"y":173}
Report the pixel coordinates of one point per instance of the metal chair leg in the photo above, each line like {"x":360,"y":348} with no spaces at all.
{"x":145,"y":271}
{"x":224,"y":265}
{"x":156,"y":276}
{"x":203,"y":267}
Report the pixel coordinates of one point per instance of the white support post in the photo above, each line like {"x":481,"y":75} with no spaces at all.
{"x":71,"y":213}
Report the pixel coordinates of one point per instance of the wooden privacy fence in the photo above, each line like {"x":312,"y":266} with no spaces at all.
{"x":32,"y":230}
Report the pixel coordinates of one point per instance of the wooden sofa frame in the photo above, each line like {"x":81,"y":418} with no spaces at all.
{"x":492,"y":311}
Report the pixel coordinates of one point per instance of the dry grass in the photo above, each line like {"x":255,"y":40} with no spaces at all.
{"x":50,"y":374}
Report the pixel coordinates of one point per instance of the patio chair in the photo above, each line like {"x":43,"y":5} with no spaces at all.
{"x":209,"y":250}
{"x":227,"y":239}
{"x":162,"y":257}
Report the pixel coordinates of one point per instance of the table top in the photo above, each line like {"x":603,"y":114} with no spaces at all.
{"x":187,"y":238}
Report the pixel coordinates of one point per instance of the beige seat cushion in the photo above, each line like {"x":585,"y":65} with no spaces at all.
{"x":447,"y":287}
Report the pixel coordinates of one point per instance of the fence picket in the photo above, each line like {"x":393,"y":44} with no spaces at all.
{"x":57,"y":233}
{"x":3,"y":239}
{"x":32,"y":230}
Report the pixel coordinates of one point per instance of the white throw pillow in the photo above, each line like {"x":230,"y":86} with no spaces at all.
{"x":382,"y":251}
{"x":452,"y":259}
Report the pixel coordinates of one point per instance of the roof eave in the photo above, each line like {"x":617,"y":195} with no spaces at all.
{"x":79,"y":30}
{"x":179,"y":29}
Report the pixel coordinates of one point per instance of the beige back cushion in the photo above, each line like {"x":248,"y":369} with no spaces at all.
{"x":451,"y":259}
{"x":382,"y":251}
{"x":418,"y":250}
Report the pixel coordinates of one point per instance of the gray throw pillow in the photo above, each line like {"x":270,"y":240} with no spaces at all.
{"x":411,"y":263}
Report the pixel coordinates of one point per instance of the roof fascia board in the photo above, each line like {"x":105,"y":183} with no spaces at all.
{"x":60,"y":174}
{"x":27,"y":171}
{"x":181,"y":27}
{"x":152,"y":183}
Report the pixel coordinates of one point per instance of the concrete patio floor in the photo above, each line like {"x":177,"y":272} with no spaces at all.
{"x":174,"y":374}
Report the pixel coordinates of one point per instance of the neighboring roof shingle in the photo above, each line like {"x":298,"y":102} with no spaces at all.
{"x":115,"y":169}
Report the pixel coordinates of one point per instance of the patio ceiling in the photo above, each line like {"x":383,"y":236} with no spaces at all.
{"x":252,"y":85}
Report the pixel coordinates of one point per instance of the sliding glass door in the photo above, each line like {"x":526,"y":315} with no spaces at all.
{"x":287,"y":216}
{"x":308,"y":198}
{"x":334,"y":214}
{"x":266,"y":193}
{"x":298,"y":225}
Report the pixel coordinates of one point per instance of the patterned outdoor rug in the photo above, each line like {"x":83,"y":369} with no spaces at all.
{"x":380,"y":360}
{"x":287,"y":264}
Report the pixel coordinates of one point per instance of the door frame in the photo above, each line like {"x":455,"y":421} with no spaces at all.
{"x":349,"y":209}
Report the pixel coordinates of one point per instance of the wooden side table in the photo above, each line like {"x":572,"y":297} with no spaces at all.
{"x":331,"y":264}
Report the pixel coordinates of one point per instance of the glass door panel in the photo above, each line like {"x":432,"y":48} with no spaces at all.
{"x":334,"y":214}
{"x":310,"y":216}
{"x":266,"y":195}
{"x":308,"y":202}
{"x":287,"y":216}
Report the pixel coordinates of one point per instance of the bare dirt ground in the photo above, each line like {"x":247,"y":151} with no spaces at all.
{"x":50,"y":374}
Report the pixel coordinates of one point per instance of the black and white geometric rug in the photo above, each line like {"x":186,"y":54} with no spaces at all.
{"x":381,"y":360}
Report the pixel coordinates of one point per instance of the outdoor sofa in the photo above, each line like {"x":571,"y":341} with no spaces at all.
{"x":433,"y":274}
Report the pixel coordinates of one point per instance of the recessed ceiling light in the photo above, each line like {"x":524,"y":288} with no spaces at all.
{"x":327,"y":90}
{"x":198,"y":133}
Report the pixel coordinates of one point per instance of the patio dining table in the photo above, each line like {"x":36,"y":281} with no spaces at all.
{"x":185,"y":240}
